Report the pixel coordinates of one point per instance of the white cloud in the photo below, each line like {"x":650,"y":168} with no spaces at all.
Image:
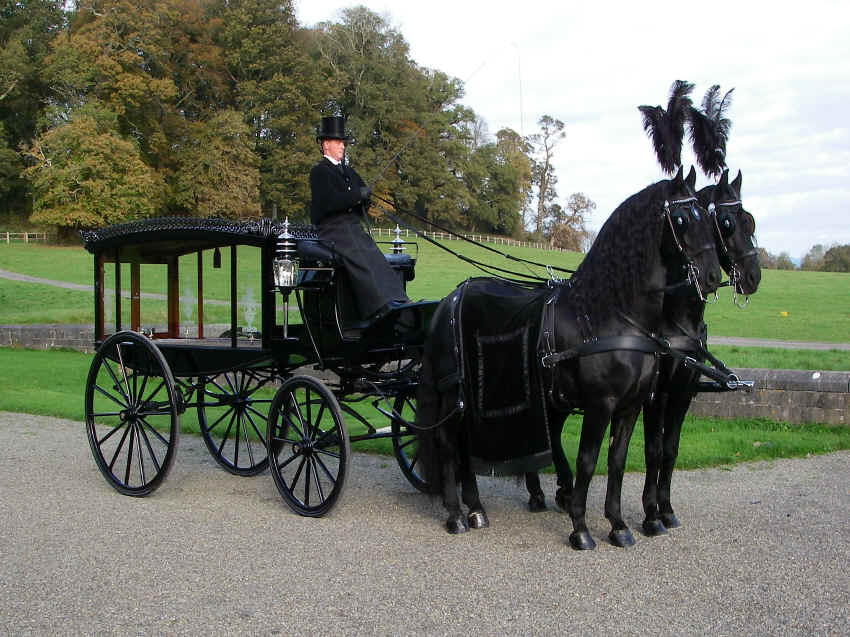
{"x":592,"y":64}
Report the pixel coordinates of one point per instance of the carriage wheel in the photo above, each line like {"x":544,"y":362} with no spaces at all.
{"x":233,"y":412}
{"x":406,"y":442}
{"x":132,"y":413}
{"x":309,"y":447}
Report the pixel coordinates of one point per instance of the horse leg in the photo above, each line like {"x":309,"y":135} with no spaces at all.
{"x":536,"y":499}
{"x":621,"y":433}
{"x":449,"y":452}
{"x":672,"y":433}
{"x":596,"y":418}
{"x":653,"y":414}
{"x":477,"y":517}
{"x":562,"y":465}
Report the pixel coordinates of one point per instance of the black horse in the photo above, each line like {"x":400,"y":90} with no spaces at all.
{"x":685,"y":330}
{"x":500,"y":353}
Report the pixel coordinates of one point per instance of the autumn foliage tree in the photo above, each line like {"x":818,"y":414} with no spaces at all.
{"x":113,"y":110}
{"x":84,"y":174}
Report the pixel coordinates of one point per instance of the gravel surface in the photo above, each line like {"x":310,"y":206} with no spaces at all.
{"x":764,"y":550}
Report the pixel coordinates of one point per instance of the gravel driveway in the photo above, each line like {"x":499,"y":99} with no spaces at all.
{"x":764,"y":550}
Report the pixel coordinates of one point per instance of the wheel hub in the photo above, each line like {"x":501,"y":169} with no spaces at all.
{"x":304,"y":447}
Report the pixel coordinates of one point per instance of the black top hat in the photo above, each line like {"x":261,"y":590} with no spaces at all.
{"x":333,"y":128}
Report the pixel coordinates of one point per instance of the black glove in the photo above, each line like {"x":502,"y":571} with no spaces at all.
{"x":365,"y":191}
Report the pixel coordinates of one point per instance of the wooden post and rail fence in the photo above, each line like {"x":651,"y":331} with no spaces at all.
{"x":25,"y":237}
{"x":44,"y":237}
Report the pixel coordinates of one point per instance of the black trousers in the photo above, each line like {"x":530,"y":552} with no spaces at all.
{"x":373,"y":281}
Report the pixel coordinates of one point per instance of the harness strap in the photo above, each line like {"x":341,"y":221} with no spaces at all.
{"x":629,"y":342}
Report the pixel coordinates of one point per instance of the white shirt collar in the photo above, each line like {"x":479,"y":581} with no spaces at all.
{"x":332,"y":160}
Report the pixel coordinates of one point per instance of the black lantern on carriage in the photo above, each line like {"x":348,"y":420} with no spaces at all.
{"x":286,"y":261}
{"x":285,"y":270}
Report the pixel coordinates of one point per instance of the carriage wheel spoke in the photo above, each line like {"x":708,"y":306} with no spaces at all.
{"x":144,"y":436}
{"x":318,"y":482}
{"x":153,"y":430}
{"x":140,"y":455}
{"x":307,"y":472}
{"x":227,"y":431}
{"x":116,"y":384}
{"x":260,"y":434}
{"x":242,"y":426}
{"x":108,"y":435}
{"x":324,"y":467}
{"x":131,"y":447}
{"x":120,"y":444}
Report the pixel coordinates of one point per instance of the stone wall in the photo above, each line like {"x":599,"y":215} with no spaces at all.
{"x":781,"y":395}
{"x":79,"y":337}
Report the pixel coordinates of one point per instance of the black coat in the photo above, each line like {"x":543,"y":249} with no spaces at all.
{"x":335,"y":210}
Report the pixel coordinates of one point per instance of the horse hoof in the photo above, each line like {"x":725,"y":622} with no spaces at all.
{"x":536,"y":503}
{"x":621,"y":538}
{"x":455,"y":525}
{"x":581,"y":541}
{"x":478,"y":520}
{"x":562,"y":499}
{"x":670,"y":520}
{"x":652,"y":528}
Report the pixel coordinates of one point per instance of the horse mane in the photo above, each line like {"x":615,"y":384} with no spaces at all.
{"x":612,"y":275}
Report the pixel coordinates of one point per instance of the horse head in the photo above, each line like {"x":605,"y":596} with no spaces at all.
{"x":734,"y":231}
{"x":688,"y":235}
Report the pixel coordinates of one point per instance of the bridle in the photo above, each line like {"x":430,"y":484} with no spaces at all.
{"x":690,"y":265}
{"x":734,"y":272}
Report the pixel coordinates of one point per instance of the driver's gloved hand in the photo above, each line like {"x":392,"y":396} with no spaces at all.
{"x":365,"y":191}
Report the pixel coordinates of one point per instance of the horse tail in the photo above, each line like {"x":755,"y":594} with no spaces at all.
{"x":437,"y":410}
{"x":427,"y":416}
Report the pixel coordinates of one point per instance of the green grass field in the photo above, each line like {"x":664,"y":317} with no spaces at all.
{"x":790,"y":305}
{"x":52,"y":383}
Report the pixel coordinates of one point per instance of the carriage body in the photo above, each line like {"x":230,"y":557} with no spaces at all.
{"x":219,"y":337}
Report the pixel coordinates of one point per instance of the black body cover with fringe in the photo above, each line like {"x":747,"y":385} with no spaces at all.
{"x":497,"y":374}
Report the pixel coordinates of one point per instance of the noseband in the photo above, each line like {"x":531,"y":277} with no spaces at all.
{"x":735,"y":274}
{"x":690,"y":266}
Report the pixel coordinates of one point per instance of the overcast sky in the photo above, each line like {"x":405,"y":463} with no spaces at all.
{"x":591,"y":64}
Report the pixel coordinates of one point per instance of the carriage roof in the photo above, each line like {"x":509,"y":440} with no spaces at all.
{"x":154,"y":240}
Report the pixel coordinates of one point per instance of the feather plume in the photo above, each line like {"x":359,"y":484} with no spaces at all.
{"x":667,"y":128}
{"x":709,"y":130}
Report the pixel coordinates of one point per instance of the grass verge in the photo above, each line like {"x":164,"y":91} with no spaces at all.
{"x":52,"y":383}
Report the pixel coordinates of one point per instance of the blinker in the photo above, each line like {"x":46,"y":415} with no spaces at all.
{"x":680,"y":219}
{"x":726,"y":223}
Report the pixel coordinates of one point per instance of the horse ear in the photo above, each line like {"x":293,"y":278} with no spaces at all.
{"x":691,"y":179}
{"x":676,"y":182}
{"x":723,"y":184}
{"x":736,"y":184}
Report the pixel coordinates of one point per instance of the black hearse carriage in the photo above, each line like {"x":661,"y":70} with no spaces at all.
{"x":282,"y":308}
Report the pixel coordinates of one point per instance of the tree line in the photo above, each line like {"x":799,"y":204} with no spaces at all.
{"x":819,"y":258}
{"x":115,"y":110}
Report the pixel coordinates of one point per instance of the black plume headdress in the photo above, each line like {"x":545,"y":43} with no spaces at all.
{"x":667,"y":128}
{"x":709,"y":130}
